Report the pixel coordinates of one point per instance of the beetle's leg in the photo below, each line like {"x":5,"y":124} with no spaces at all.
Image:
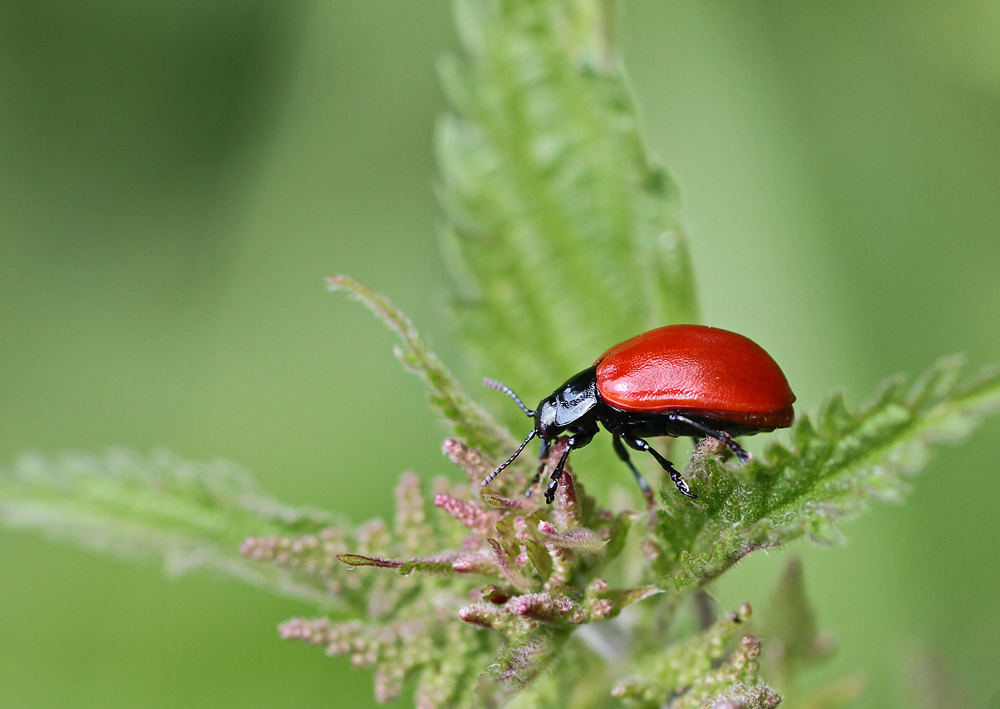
{"x":550,"y":490}
{"x":675,"y":476}
{"x":543,"y":454}
{"x":735,"y":447}
{"x":623,"y":454}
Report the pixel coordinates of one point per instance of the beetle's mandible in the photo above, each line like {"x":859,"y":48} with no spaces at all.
{"x":679,"y":380}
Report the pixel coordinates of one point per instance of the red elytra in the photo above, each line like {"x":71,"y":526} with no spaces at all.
{"x":698,"y":369}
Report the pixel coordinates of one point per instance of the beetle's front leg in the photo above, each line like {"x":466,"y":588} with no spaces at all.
{"x":550,"y":490}
{"x":577,"y":440}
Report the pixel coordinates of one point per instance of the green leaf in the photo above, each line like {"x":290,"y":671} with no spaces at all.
{"x":931,"y":683}
{"x":689,"y":668}
{"x":403,"y":566}
{"x":522,"y":659}
{"x":790,"y":624}
{"x":188,"y":514}
{"x":562,"y":231}
{"x":831,"y":469}
{"x":469,"y":421}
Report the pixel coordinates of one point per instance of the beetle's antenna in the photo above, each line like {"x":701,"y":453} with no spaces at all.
{"x":489,"y":478}
{"x":499,"y":386}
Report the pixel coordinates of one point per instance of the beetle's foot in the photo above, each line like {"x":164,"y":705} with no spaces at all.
{"x":682,"y":485}
{"x":550,"y":492}
{"x":742,"y":453}
{"x":735,"y":447}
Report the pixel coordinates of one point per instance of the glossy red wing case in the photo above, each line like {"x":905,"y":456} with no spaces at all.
{"x":694,"y":368}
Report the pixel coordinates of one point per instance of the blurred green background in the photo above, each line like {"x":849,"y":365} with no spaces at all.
{"x":177,"y":178}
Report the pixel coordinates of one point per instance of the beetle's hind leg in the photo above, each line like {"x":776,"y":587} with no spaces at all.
{"x":643,"y":485}
{"x":678,"y":480}
{"x":726,"y":438}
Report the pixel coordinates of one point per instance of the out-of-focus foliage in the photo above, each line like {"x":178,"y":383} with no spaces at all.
{"x":795,"y":642}
{"x":188,"y":514}
{"x":465,"y":417}
{"x":931,"y":683}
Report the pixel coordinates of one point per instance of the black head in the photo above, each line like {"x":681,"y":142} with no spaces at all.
{"x":566,"y":406}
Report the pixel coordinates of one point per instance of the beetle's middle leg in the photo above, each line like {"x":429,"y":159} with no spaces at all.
{"x":623,"y":454}
{"x":543,"y":458}
{"x":678,"y":480}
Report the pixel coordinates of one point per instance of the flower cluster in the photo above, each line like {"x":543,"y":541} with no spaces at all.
{"x":532,"y":573}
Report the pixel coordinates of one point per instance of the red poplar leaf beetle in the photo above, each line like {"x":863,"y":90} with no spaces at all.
{"x":679,"y":380}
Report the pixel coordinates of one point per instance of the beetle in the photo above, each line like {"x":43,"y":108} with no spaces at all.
{"x":678,"y":380}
